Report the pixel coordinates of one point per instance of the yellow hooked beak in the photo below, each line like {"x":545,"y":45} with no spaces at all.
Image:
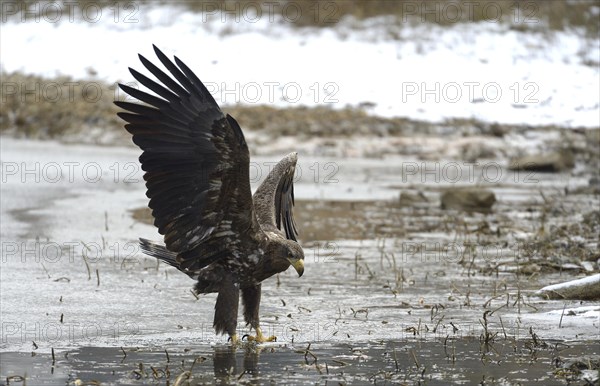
{"x":298,"y":265}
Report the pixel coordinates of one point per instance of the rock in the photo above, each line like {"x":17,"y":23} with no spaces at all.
{"x":551,"y":163}
{"x":529,"y":269}
{"x":588,"y":266}
{"x":468,"y":199}
{"x":586,"y":366}
{"x":570,"y":267}
{"x":408,"y":199}
{"x":593,"y":136}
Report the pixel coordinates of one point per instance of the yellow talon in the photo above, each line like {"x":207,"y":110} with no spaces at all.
{"x":260,"y":338}
{"x":234,"y":340}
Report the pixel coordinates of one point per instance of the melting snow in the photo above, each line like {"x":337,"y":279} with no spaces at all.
{"x":469,"y":70}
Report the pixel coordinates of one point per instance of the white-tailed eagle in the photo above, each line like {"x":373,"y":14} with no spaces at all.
{"x":196,"y":165}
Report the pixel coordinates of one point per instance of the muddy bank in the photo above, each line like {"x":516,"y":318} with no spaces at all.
{"x":349,"y":131}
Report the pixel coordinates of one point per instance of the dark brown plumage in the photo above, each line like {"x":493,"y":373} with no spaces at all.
{"x":196,"y":164}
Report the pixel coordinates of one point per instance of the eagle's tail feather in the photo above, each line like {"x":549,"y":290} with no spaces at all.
{"x":159,"y":251}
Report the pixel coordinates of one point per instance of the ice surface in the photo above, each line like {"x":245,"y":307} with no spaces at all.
{"x":72,"y":274}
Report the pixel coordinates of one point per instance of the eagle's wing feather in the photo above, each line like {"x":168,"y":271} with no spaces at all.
{"x":274,"y":198}
{"x":196,"y":163}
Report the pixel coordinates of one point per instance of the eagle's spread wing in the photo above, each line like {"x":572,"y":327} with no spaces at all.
{"x":274,"y":198}
{"x":196,"y":162}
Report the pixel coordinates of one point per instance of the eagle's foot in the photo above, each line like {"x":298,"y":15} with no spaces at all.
{"x":234,"y":340}
{"x":260,"y":338}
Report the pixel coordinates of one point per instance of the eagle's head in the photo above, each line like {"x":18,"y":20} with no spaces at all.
{"x":294,"y":254}
{"x":280,"y":254}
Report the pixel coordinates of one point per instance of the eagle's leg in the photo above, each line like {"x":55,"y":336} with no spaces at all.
{"x":251,"y":300}
{"x":226,"y":309}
